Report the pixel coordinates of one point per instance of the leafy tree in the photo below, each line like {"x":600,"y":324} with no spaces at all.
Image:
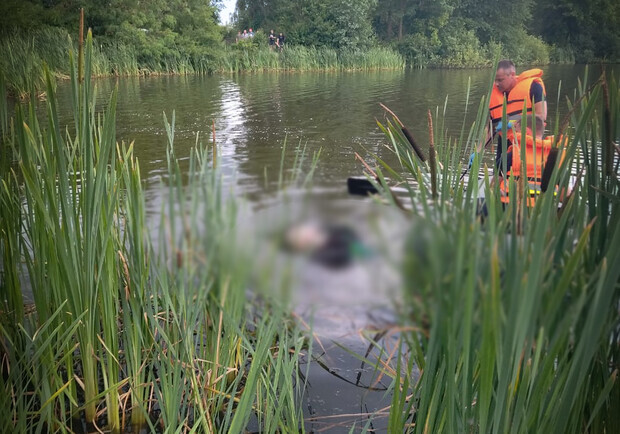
{"x":590,"y":30}
{"x":313,"y":26}
{"x":342,"y":24}
{"x":394,"y":19}
{"x":499,"y":20}
{"x":253,"y":13}
{"x":439,"y":32}
{"x":31,"y":14}
{"x":352,"y":20}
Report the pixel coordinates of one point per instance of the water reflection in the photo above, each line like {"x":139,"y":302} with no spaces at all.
{"x":230,"y":124}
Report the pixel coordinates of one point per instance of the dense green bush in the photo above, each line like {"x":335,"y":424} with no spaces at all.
{"x":559,"y":54}
{"x":461,"y":48}
{"x":420,"y":50}
{"x":455,"y":46}
{"x":524,"y":48}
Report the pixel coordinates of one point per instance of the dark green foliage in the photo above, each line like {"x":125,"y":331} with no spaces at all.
{"x":22,"y":14}
{"x":353,"y":29}
{"x":588,"y":31}
{"x":167,"y":36}
{"x":181,"y":36}
{"x":322,"y":23}
{"x":529,"y":31}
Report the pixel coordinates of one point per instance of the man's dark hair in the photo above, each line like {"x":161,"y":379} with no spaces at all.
{"x":506,"y":64}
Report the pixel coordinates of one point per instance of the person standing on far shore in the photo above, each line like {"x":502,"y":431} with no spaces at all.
{"x":280,"y":41}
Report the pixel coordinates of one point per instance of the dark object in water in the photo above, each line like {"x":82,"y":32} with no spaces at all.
{"x":333,"y":246}
{"x":338,"y":249}
{"x":360,"y":186}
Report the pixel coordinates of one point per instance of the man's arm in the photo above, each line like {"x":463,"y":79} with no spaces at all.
{"x":540,"y":102}
{"x":541,"y":109}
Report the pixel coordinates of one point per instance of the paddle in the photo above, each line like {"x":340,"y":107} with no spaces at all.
{"x":484,"y":147}
{"x":548,"y":170}
{"x":361,"y":186}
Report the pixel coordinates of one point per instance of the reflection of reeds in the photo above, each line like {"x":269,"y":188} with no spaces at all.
{"x":125,"y":333}
{"x":521,"y":309}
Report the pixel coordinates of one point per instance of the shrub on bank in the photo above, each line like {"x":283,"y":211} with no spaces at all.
{"x":462,"y":49}
{"x":456,"y":47}
{"x":527,"y":49}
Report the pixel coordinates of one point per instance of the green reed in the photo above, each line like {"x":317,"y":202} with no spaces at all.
{"x":130,"y":328}
{"x":516,"y":316}
{"x":300,"y":58}
{"x":26,"y":53}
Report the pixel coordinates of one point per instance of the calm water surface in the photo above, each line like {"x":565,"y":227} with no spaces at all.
{"x":254,"y":115}
{"x":335,"y":112}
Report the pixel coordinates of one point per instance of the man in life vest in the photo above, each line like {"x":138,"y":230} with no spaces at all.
{"x":526,"y":89}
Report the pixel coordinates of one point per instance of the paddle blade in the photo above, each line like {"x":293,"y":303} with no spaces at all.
{"x":360,"y":186}
{"x":548,"y":170}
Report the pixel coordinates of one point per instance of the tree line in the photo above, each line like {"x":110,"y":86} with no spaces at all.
{"x":157,"y":31}
{"x":453,"y":33}
{"x":449,"y":32}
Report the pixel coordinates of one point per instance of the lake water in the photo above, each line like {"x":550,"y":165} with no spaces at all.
{"x":336,"y":112}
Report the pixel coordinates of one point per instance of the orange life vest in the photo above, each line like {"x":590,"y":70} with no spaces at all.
{"x":515,"y":98}
{"x":536,"y":152}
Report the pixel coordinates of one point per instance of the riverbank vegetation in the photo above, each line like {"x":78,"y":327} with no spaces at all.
{"x":512,"y":311}
{"x":255,"y":57}
{"x":130,"y":327}
{"x":27,"y":52}
{"x":454,"y":33}
{"x":180,"y":37}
